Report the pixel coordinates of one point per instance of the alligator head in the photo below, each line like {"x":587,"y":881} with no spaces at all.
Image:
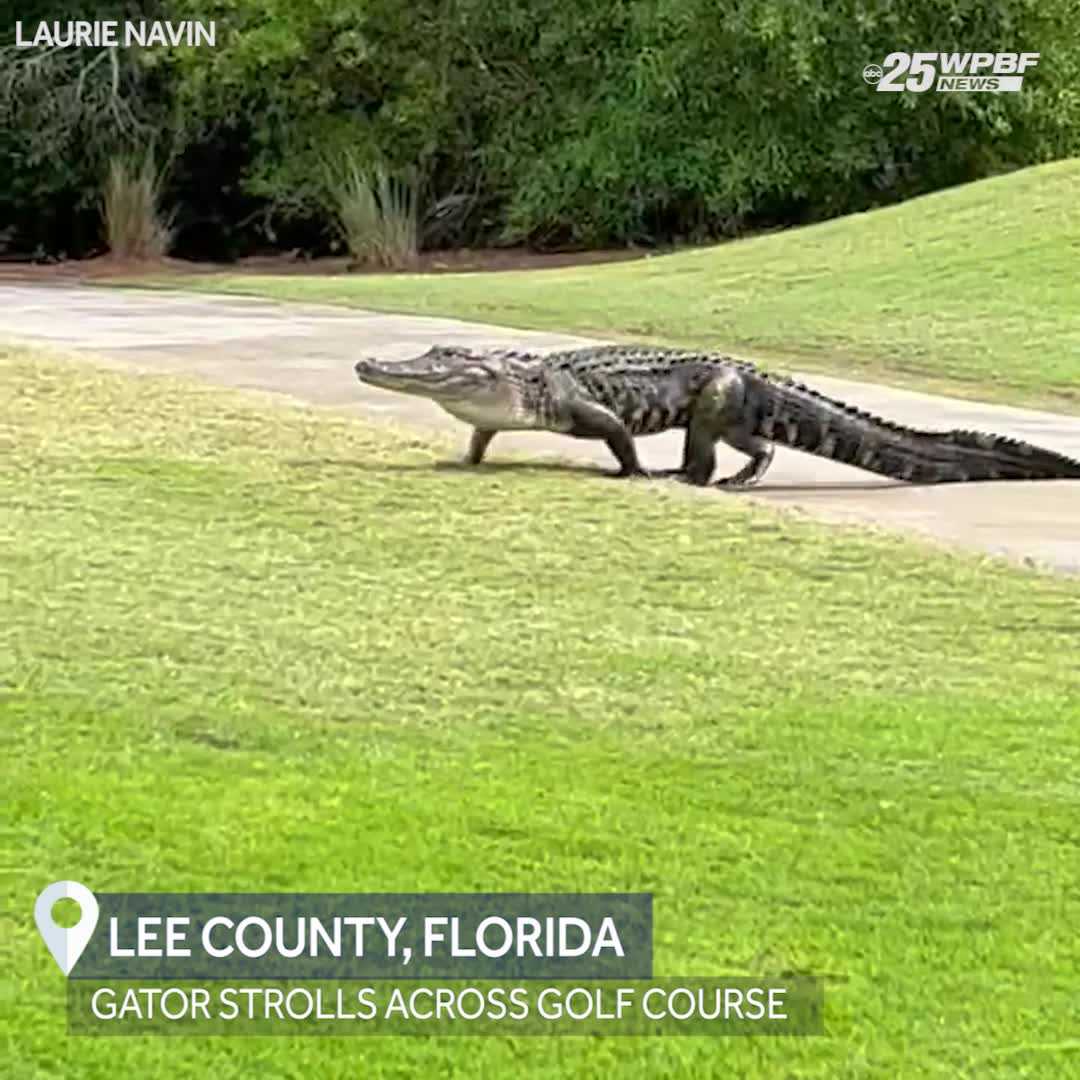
{"x":483,"y":389}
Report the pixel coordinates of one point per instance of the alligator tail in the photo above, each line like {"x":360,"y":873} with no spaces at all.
{"x":791,"y":414}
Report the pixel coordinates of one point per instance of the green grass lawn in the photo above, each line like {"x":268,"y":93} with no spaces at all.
{"x":973,"y":292}
{"x":267,"y":649}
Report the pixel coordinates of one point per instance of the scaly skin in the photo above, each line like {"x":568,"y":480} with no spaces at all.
{"x":617,"y":392}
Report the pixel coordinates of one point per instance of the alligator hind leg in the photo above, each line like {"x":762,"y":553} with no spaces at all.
{"x":761,"y":455}
{"x":720,"y":414}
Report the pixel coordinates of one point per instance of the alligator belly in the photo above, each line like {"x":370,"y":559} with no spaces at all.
{"x":493,"y":417}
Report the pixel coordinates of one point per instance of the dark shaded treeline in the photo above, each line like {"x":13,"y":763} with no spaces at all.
{"x":526,"y":121}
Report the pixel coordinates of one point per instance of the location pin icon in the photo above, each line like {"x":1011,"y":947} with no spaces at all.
{"x":66,"y":944}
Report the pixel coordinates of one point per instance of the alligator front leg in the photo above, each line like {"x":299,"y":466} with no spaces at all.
{"x":590,"y":420}
{"x":478,"y":444}
{"x":574,"y":412}
{"x":720,"y":413}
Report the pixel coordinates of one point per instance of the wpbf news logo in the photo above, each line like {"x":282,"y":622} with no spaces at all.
{"x":916,"y":73}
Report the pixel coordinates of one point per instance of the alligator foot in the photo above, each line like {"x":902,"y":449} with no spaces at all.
{"x":752,"y":471}
{"x":631,"y":474}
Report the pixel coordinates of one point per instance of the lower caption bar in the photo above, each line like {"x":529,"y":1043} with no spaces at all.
{"x":671,"y":1006}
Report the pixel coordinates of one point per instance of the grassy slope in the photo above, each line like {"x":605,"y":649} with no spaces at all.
{"x":973,"y":291}
{"x":255,"y":649}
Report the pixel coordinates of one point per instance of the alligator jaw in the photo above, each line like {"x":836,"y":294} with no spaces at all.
{"x":406,"y":376}
{"x":481,"y":390}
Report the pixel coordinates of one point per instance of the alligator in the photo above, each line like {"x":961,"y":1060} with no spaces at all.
{"x":617,"y":392}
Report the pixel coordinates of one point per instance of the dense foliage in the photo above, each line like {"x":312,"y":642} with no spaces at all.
{"x":533,"y":121}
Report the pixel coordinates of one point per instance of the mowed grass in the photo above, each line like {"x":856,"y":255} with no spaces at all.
{"x":257,"y":648}
{"x":972,"y":291}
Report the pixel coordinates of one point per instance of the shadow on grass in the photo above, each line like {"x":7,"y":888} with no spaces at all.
{"x":583,"y":469}
{"x":841,"y":486}
{"x":452,"y":466}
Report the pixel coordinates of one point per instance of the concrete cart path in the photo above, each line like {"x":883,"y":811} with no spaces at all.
{"x":307,"y":352}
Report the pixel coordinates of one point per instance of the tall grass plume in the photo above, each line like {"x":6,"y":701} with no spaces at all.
{"x":135,"y":225}
{"x":377,"y":214}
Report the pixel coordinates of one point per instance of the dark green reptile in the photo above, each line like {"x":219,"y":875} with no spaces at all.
{"x":617,"y":392}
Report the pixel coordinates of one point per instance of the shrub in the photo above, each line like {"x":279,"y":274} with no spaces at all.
{"x":544,"y":121}
{"x":135,"y":227}
{"x":377,"y":215}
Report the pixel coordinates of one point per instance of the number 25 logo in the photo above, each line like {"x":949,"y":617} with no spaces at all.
{"x":898,"y":64}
